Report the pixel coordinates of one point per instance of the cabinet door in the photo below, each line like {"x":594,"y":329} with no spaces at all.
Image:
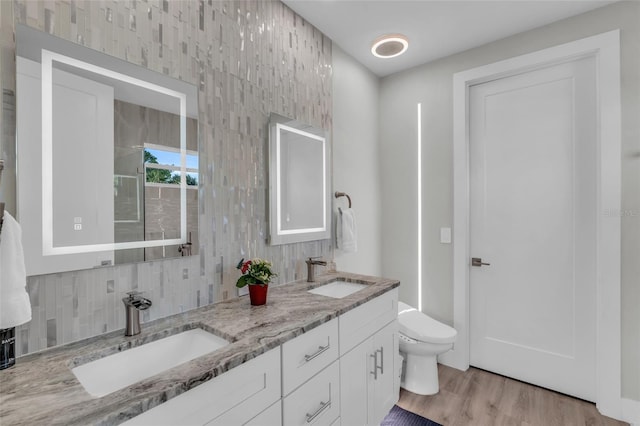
{"x":385,"y":390}
{"x":356,"y":369}
{"x":272,"y":416}
{"x":368,"y":378}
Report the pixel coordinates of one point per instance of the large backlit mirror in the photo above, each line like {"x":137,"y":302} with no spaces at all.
{"x":107,"y":158}
{"x":299,"y":201}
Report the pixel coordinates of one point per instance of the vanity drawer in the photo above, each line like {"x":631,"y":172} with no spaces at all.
{"x":307,"y":354}
{"x":234,"y":397}
{"x":317,"y":402}
{"x":360,"y":323}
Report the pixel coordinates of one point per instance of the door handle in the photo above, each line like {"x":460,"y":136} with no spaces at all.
{"x":477,"y":261}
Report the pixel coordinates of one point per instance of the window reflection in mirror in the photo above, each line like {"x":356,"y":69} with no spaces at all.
{"x":107,"y":158}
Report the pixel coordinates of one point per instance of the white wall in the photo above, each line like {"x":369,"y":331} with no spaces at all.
{"x":356,"y":159}
{"x":431,"y":84}
{"x":399,"y":184}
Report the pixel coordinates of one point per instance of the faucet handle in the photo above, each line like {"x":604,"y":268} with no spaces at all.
{"x":134,"y":294}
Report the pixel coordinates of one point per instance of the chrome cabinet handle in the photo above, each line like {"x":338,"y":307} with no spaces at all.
{"x":477,"y":261}
{"x":381,"y":366}
{"x":320,"y":350}
{"x":323,"y":406}
{"x":375,"y":365}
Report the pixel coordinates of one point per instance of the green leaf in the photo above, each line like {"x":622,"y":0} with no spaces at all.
{"x":242,"y":281}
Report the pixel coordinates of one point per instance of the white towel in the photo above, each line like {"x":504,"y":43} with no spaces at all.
{"x":347,"y":231}
{"x":15,"y":307}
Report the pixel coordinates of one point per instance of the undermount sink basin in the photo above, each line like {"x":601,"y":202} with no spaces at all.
{"x":338,"y":289}
{"x":117,"y":371}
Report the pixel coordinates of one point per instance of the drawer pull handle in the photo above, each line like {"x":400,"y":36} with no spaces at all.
{"x":320,"y":350}
{"x":323,"y":406}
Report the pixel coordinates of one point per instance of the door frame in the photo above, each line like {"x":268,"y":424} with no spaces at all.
{"x":606,"y":49}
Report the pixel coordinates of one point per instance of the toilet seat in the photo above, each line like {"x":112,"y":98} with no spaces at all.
{"x":422,"y":327}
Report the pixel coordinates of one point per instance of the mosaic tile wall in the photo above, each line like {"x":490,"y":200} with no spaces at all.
{"x":248,"y":59}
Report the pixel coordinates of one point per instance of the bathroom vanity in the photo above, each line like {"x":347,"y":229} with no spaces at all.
{"x":303,"y":358}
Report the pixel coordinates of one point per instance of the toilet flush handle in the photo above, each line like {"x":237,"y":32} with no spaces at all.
{"x":477,"y":261}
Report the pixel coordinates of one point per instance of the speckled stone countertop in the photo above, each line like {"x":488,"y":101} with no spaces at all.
{"x":41,"y":389}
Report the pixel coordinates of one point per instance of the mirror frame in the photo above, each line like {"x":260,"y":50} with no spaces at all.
{"x":46,"y":49}
{"x":48,"y":58}
{"x":277,"y":235}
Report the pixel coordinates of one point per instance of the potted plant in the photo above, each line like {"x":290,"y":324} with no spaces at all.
{"x":256,"y":273}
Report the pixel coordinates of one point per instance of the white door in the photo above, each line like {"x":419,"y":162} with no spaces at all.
{"x":533,"y":219}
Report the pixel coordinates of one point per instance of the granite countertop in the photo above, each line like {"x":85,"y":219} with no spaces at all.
{"x":41,"y":389}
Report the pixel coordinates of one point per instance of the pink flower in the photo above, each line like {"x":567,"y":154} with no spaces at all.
{"x":245,"y":266}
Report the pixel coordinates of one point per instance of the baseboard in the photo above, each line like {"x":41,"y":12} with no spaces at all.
{"x":631,"y":411}
{"x":451,"y":360}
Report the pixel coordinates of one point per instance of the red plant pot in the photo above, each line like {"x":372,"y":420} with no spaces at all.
{"x":258,"y":294}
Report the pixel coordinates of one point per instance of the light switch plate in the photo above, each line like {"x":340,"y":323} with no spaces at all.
{"x":445,"y":235}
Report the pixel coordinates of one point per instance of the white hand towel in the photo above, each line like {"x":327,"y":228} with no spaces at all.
{"x":347,"y":231}
{"x":15,"y":307}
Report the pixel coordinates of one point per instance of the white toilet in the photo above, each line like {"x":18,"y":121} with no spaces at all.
{"x":422,"y":339}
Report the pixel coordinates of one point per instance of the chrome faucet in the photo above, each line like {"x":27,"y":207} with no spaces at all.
{"x":311,"y":262}
{"x":133,"y":305}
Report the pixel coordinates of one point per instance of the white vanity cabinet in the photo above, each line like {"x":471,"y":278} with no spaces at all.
{"x":308,"y":354}
{"x":235,"y":397}
{"x":369,"y":376}
{"x":316,"y":402}
{"x":270,"y":416}
{"x":311,"y":377}
{"x":344,"y":371}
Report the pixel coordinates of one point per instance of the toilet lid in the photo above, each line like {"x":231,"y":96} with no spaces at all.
{"x":422,"y":327}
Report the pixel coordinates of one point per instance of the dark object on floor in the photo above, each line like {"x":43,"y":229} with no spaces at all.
{"x":400,"y":417}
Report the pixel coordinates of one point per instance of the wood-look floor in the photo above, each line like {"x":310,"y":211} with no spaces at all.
{"x":480,"y":398}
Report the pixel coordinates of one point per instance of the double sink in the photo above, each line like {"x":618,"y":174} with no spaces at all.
{"x":120,"y":370}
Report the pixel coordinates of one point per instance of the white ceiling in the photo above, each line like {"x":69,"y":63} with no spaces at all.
{"x":435,"y":28}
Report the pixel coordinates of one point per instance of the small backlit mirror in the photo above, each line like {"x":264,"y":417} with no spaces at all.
{"x":299,"y":201}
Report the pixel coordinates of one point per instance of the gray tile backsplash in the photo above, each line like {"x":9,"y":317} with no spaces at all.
{"x":248,"y":59}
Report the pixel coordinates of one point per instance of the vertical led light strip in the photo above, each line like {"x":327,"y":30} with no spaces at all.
{"x":419,"y":207}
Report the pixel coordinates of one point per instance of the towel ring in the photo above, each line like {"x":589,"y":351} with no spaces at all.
{"x":339,"y":194}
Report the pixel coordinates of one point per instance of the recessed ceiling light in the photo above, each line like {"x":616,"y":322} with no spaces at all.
{"x":390,"y":46}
